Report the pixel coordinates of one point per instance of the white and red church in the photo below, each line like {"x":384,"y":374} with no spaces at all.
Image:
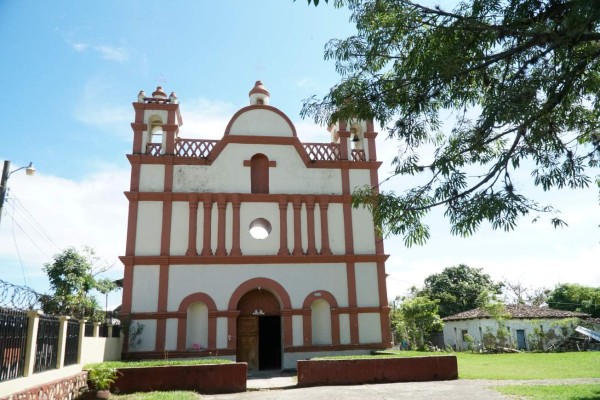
{"x":248,"y":247}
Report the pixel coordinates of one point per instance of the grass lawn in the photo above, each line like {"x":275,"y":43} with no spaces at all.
{"x":529,"y":365}
{"x":177,"y":395}
{"x":157,"y":363}
{"x":552,"y":392}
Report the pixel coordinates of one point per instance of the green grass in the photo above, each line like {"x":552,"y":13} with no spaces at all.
{"x":157,"y":363}
{"x":552,"y":392}
{"x":525,"y":366}
{"x":176,"y":395}
{"x":519,"y":366}
{"x":382,"y":354}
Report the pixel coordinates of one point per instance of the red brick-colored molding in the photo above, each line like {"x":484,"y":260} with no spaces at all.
{"x":310,"y":225}
{"x":222,"y":208}
{"x":163,"y":295}
{"x":206,"y":245}
{"x":353,"y":310}
{"x":331,"y":348}
{"x":297,"y":206}
{"x":212,"y":378}
{"x":307,"y":316}
{"x":192,"y":226}
{"x":276,"y":289}
{"x":241,"y":260}
{"x":323,"y":206}
{"x":235,"y":237}
{"x":283,"y":242}
{"x":260,"y":107}
{"x":182,"y":322}
{"x":382,"y":370}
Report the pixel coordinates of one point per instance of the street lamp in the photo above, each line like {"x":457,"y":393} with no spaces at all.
{"x":29,"y":170}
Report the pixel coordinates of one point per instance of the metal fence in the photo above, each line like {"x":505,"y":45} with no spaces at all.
{"x":46,"y":344}
{"x":13,"y":340}
{"x":72,"y":343}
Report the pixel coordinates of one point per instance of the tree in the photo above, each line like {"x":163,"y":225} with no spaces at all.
{"x":518,"y":80}
{"x":518,"y":293}
{"x":459,"y":288}
{"x":575,"y":297}
{"x":73,"y":275}
{"x":414,"y":319}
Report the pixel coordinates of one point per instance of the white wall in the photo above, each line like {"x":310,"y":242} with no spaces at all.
{"x":473,"y":328}
{"x":144,"y":297}
{"x":149,"y":228}
{"x":367,"y":288}
{"x":219,"y":281}
{"x":98,"y":349}
{"x":260,"y":122}
{"x":369,"y":328}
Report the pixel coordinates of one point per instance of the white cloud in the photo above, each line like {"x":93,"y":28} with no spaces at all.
{"x":46,"y":214}
{"x":106,"y":52}
{"x":205,"y":119}
{"x":79,"y":47}
{"x":112,"y":53}
{"x":113,"y":119}
{"x":304,"y":82}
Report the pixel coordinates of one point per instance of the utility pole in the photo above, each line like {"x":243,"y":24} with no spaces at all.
{"x":6,"y":173}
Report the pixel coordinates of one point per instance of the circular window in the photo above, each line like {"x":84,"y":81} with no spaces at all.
{"x":260,"y":228}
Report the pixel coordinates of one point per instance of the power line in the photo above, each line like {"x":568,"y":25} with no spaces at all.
{"x":18,"y":252}
{"x":35,"y":224}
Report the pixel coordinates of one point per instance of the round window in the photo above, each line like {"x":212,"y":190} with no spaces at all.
{"x":260,"y":228}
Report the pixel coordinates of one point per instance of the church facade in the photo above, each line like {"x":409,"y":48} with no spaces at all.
{"x":248,"y":247}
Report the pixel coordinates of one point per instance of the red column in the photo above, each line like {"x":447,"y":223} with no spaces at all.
{"x":310,"y":225}
{"x":323,"y":205}
{"x":206,"y":249}
{"x":283,"y":246}
{"x":235,"y":239}
{"x":222,"y":208}
{"x":193,"y":226}
{"x":297,"y":204}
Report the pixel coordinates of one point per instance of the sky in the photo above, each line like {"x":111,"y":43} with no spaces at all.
{"x":71,"y":69}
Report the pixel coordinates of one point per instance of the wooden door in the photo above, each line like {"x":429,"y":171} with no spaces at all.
{"x":247,"y":341}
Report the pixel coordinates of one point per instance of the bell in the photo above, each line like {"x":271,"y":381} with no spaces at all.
{"x":355,"y":138}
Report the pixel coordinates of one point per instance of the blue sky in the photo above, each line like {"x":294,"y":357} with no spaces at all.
{"x":71,"y":69}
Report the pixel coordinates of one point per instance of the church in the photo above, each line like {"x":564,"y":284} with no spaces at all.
{"x":248,"y":247}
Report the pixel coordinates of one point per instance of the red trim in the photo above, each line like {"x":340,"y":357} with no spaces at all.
{"x":335,"y":315}
{"x":165,"y":240}
{"x":193,"y":226}
{"x":259,"y":107}
{"x":182,"y":322}
{"x":283,"y":242}
{"x":310,"y":225}
{"x":222,"y":208}
{"x":131,"y":225}
{"x":235,"y":240}
{"x":344,"y":136}
{"x":206,"y":245}
{"x":352,"y":309}
{"x":325,"y":348}
{"x":323,"y":206}
{"x":297,"y":205}
{"x":280,"y":293}
{"x":238,"y":260}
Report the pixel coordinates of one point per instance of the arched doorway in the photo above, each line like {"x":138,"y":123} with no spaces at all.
{"x":259,"y":330}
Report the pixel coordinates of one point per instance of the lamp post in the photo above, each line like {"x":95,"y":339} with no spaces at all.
{"x":29,"y":170}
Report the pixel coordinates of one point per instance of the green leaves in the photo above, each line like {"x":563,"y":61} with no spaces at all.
{"x":72,"y":276}
{"x":518,"y":81}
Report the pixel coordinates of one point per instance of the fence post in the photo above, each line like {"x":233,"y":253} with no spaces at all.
{"x":109,"y":330}
{"x":62,"y":341}
{"x":32,"y":329}
{"x":96,"y":329}
{"x":81,"y":337}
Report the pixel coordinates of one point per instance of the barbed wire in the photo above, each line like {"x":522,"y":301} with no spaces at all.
{"x":19,"y":297}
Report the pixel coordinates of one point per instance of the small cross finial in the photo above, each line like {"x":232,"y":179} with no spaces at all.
{"x":259,"y":68}
{"x":161,"y":79}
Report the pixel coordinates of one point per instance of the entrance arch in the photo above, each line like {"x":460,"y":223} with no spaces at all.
{"x":259,"y":330}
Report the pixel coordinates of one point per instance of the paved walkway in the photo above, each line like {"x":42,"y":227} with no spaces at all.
{"x":276,"y":386}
